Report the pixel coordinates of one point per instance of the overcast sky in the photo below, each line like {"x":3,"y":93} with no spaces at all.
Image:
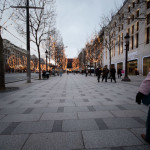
{"x":77,"y":21}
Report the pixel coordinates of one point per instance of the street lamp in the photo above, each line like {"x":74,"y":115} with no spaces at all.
{"x":46,"y":53}
{"x":126,"y":78}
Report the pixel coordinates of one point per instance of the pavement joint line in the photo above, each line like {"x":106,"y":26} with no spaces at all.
{"x":25,"y":141}
{"x":40,"y":117}
{"x":139,"y":120}
{"x":82,"y":139}
{"x":112,"y":114}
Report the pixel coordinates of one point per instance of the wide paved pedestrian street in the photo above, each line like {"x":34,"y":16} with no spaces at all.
{"x":72,"y":112}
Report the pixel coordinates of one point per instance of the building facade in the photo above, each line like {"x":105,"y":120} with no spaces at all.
{"x":16,"y":59}
{"x":133,"y":18}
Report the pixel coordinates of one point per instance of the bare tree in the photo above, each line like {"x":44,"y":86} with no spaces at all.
{"x":41,"y":20}
{"x":109,"y":33}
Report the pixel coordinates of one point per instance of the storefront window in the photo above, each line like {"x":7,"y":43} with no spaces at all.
{"x":132,"y":67}
{"x":146,"y":65}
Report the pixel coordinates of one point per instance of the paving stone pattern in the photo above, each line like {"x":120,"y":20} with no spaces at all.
{"x":73,"y":112}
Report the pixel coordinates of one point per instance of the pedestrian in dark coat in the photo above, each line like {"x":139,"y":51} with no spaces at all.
{"x":105,"y":74}
{"x":99,"y":71}
{"x":119,"y":73}
{"x":86,"y":72}
{"x":113,"y":74}
{"x":144,"y":90}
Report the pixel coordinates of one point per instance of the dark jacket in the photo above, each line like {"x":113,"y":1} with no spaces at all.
{"x":105,"y":72}
{"x":99,"y":71}
{"x":112,"y":71}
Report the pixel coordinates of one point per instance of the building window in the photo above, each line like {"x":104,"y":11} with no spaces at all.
{"x":137,"y":26}
{"x":132,"y":42}
{"x":138,"y":1}
{"x":148,"y":4}
{"x":133,"y":29}
{"x":129,"y":31}
{"x":122,"y":16}
{"x":122,"y":43}
{"x":129,"y":9}
{"x":115,"y":24}
{"x":137,"y":13}
{"x":118,"y":29}
{"x":148,"y":19}
{"x":132,"y":17}
{"x":147,"y":35}
{"x":119,"y":45}
{"x":137,"y":40}
{"x":133,"y":4}
{"x":119,"y":18}
{"x":122,"y":26}
{"x":128,"y":21}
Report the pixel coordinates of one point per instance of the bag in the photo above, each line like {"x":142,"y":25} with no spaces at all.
{"x":146,"y":100}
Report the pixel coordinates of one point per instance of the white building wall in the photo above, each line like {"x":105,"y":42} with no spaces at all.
{"x":143,"y":49}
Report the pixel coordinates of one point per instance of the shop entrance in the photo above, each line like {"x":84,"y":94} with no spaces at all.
{"x":146,"y":65}
{"x":120,"y":66}
{"x":132,"y":67}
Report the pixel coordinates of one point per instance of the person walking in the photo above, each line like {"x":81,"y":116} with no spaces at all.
{"x":119,"y":73}
{"x":144,"y":91}
{"x":98,"y":72}
{"x":113,"y":74}
{"x":86,"y":72}
{"x":105,"y":74}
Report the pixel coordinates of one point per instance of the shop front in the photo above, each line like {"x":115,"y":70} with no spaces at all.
{"x":132,"y":67}
{"x":120,"y":66}
{"x":146,"y":65}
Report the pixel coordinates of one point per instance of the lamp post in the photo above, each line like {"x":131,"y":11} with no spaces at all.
{"x":46,"y":52}
{"x":126,"y":78}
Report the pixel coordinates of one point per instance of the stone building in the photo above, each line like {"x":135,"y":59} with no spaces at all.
{"x":132,"y":18}
{"x":16,"y":58}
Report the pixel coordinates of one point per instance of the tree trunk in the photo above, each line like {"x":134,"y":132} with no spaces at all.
{"x":109,"y":59}
{"x":2,"y":68}
{"x":39,"y":63}
{"x":90,"y":68}
{"x":95,"y":68}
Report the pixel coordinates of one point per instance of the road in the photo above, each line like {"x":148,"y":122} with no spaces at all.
{"x":13,"y":77}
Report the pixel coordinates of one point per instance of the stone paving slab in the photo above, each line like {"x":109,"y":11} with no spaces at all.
{"x":109,"y":138}
{"x":44,"y":110}
{"x":118,"y":123}
{"x":54,"y":141}
{"x":3,"y":126}
{"x":98,"y":114}
{"x":105,"y":108}
{"x":21,"y":117}
{"x":76,"y":109}
{"x":143,"y":147}
{"x":34,"y":127}
{"x":78,"y":125}
{"x":58,"y":116}
{"x":12,"y":110}
{"x":128,"y":113}
{"x":60,"y":104}
{"x":12,"y":142}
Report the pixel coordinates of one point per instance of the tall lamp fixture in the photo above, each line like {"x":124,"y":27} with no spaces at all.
{"x":126,"y":78}
{"x":46,"y":53}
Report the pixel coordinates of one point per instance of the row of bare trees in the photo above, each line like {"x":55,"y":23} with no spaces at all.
{"x":42,"y":28}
